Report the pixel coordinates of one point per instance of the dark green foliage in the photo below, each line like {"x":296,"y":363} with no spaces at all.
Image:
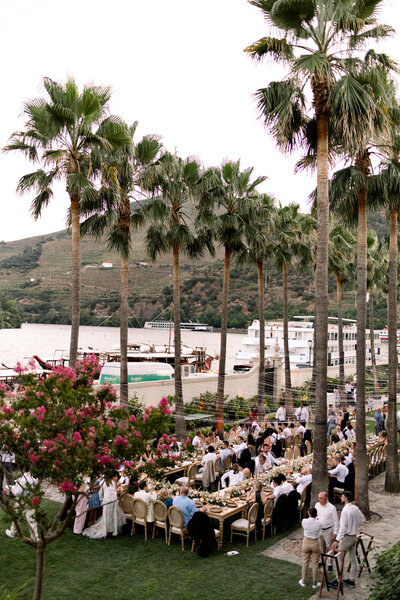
{"x":10,"y":316}
{"x":387,"y":575}
{"x":26,"y":261}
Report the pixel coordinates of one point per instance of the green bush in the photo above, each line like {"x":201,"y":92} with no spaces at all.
{"x":387,"y":575}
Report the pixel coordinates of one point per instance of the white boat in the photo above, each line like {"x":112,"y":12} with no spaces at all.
{"x":137,"y":372}
{"x":190,"y":326}
{"x":301,"y":342}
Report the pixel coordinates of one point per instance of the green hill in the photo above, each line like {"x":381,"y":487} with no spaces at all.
{"x":35,"y":272}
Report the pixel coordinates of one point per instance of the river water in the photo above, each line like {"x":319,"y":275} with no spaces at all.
{"x":50,"y":341}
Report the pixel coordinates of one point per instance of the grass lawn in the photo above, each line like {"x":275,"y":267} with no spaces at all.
{"x":128,"y":567}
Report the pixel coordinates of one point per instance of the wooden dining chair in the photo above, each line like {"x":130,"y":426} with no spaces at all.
{"x":126,"y":503}
{"x":296,"y":452}
{"x":190,"y":478}
{"x":176,"y":518}
{"x":139,"y":515}
{"x":160,"y":518}
{"x":289,"y":453}
{"x":246,"y":526}
{"x":267,"y":519}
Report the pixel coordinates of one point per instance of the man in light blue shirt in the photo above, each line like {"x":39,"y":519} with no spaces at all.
{"x":186,"y":505}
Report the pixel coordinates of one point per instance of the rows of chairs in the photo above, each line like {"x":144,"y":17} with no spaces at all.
{"x":377,"y":460}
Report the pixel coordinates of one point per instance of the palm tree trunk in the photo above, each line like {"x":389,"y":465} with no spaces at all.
{"x":123,"y":331}
{"x":320,"y":471}
{"x":219,"y":409}
{"x":179,"y":410}
{"x":392,"y":483}
{"x":261,"y":373}
{"x":361,"y":486}
{"x":37,"y":594}
{"x":76,"y":280}
{"x":373,"y":357}
{"x":340,"y":341}
{"x":288,"y":382}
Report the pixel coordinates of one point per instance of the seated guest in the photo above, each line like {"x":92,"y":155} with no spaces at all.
{"x":232,"y":477}
{"x":148,"y":496}
{"x":148,"y":454}
{"x":251,"y":445}
{"x":382,"y":437}
{"x":337,"y":435}
{"x":225,"y":452}
{"x":186,"y":505}
{"x":260,"y":465}
{"x":349,"y":432}
{"x":270,"y":461}
{"x":256,"y":429}
{"x":233,"y":435}
{"x":300,"y":429}
{"x":287,"y":432}
{"x":286,"y":486}
{"x":207,"y":457}
{"x":198,"y":440}
{"x":337,"y":475}
{"x":165,"y":496}
{"x":277,"y":488}
{"x":210,"y":439}
{"x":304,"y":479}
{"x":238,"y":448}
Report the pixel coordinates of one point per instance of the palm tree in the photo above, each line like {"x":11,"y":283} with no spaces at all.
{"x":317,"y":39}
{"x":341,"y":257}
{"x":260,"y":248}
{"x":235,"y":198}
{"x":173,"y":181}
{"x":386,"y":187}
{"x":291,"y":247}
{"x":375,"y":262}
{"x":110,"y":211}
{"x":61,"y":133}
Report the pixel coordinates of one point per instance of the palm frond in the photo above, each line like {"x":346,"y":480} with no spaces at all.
{"x":316,"y":64}
{"x":292,"y":14}
{"x":277,"y":49}
{"x":375,"y":33}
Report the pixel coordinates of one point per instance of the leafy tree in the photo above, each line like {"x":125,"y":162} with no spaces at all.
{"x":61,"y":131}
{"x":317,"y":43}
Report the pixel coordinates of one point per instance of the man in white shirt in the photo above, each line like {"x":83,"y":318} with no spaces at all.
{"x":328,"y":516}
{"x":270,"y":459}
{"x":148,"y":496}
{"x":349,"y":433}
{"x":302,"y":414}
{"x":235,"y":476}
{"x":281,"y":414}
{"x":238,"y":448}
{"x":300,"y":429}
{"x":22,"y":484}
{"x":286,"y":486}
{"x":277,"y":488}
{"x":287,"y":432}
{"x":304,"y":479}
{"x":351,"y":520}
{"x":337,"y":475}
{"x":207,"y":457}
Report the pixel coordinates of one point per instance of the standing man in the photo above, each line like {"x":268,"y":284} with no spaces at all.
{"x":378,"y":421}
{"x":281,"y":415}
{"x":348,"y":388}
{"x":328,"y":516}
{"x":302,"y":414}
{"x":351,"y":520}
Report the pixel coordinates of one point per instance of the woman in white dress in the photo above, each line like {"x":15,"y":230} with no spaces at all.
{"x":113,"y":518}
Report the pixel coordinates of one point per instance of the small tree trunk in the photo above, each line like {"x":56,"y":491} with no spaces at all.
{"x":37,"y":594}
{"x":320,"y":471}
{"x":340,"y":341}
{"x":219,"y":409}
{"x":288,"y":382}
{"x":392,"y":483}
{"x":76,"y":280}
{"x":123,"y":330}
{"x":373,"y":357}
{"x":361,"y":486}
{"x":261,"y":375}
{"x":179,"y":410}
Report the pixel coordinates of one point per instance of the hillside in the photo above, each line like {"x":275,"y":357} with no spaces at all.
{"x":35,"y":272}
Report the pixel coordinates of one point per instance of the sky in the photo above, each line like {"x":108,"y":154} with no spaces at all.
{"x":175,"y":66}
